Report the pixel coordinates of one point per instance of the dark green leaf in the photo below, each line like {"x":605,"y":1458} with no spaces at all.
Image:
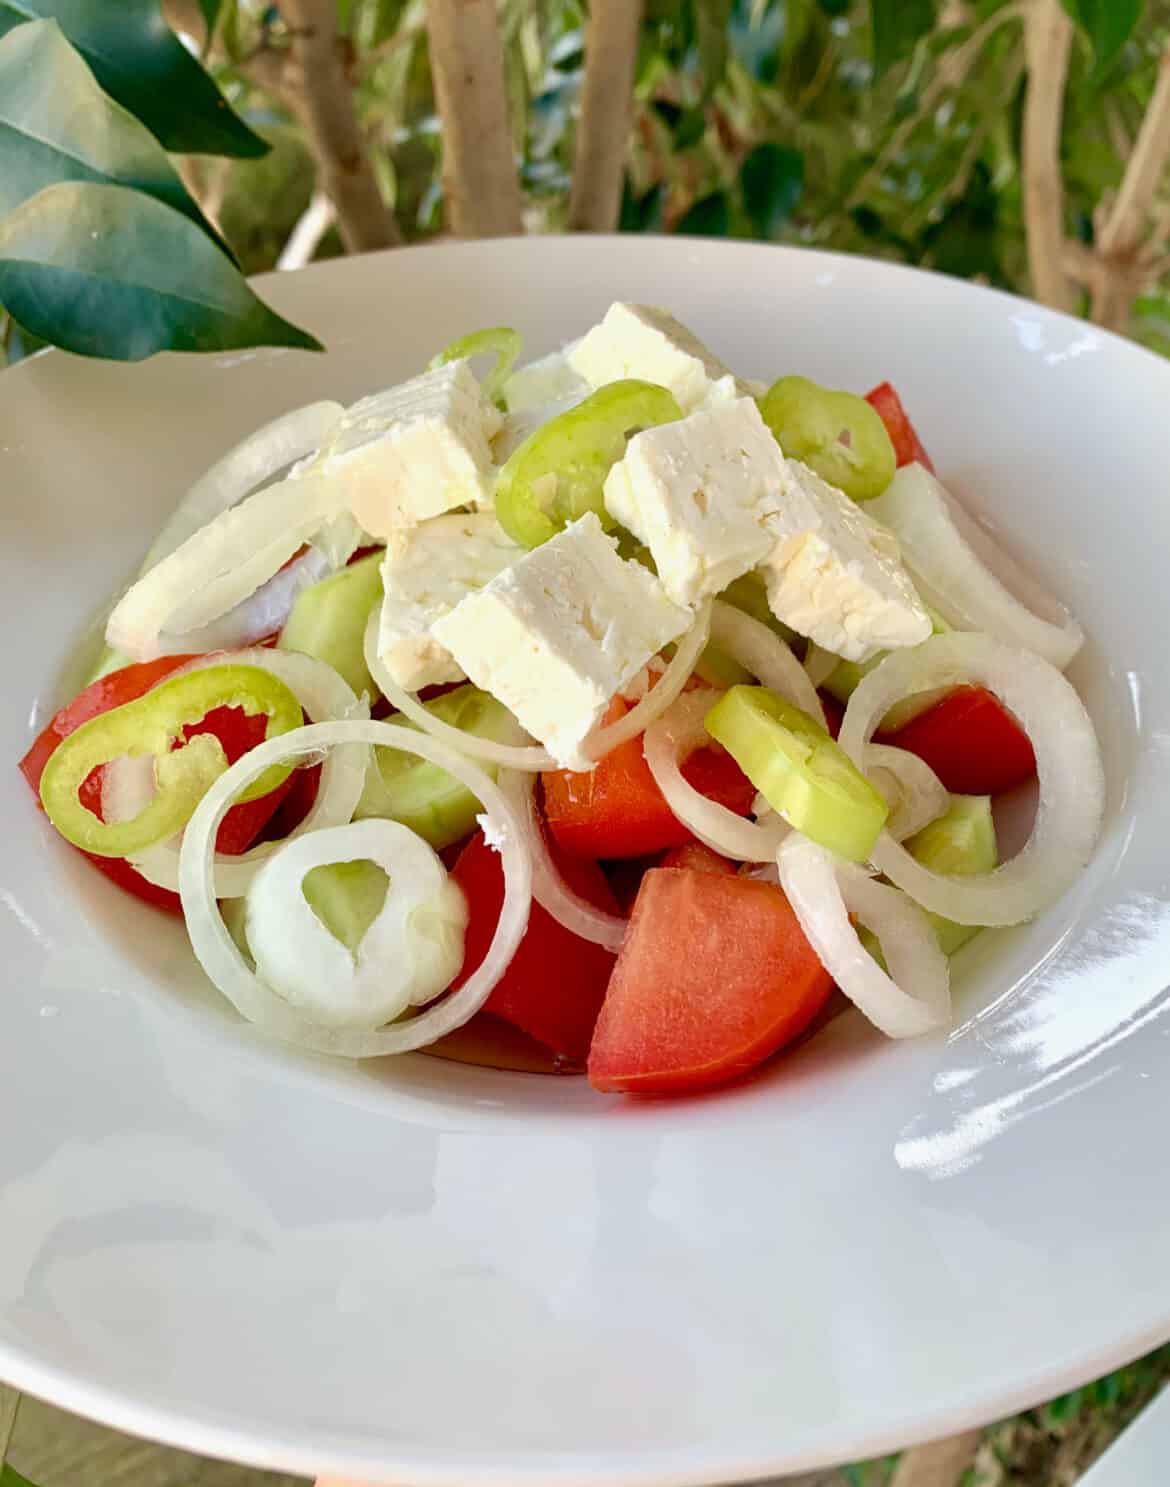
{"x":641,"y":213}
{"x":771,"y":180}
{"x":10,"y":1478}
{"x":691,"y":128}
{"x":669,"y":113}
{"x":139,"y":61}
{"x":897,"y":27}
{"x":105,"y":271}
{"x":709,"y":217}
{"x":210,"y":10}
{"x":834,"y":7}
{"x":56,"y":124}
{"x":1108,"y":24}
{"x":756,"y":38}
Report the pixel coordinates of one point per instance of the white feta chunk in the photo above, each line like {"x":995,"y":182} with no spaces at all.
{"x":698,"y":493}
{"x":647,"y":343}
{"x":559,"y":633}
{"x":552,"y":379}
{"x":832,"y":576}
{"x":426,"y":572}
{"x":412,"y":452}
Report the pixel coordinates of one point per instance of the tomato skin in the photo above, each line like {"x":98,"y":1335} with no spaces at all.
{"x":235,"y":730}
{"x":971,"y":742}
{"x":908,"y":447}
{"x":554,"y":987}
{"x":714,"y":976}
{"x":617,"y":810}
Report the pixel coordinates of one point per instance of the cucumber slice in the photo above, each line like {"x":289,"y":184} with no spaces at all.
{"x":805,"y":777}
{"x":424,"y":797}
{"x":328,"y":620}
{"x":962,"y":842}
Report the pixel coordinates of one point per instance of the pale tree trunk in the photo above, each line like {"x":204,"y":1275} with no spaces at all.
{"x":603,"y":129}
{"x":939,"y":1464}
{"x":1123,"y":261}
{"x":305,"y":238}
{"x":309,"y":79}
{"x":481,"y":189}
{"x":1048,"y":39}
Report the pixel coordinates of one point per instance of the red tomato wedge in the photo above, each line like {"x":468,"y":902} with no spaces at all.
{"x":714,"y":976}
{"x":235,"y":731}
{"x":556,"y":982}
{"x":971,"y":742}
{"x":699,"y":858}
{"x":616,"y":810}
{"x":907,"y":445}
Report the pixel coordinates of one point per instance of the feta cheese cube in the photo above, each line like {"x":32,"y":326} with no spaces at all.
{"x":698,"y":493}
{"x":647,"y":343}
{"x":549,"y":380}
{"x":832,"y":576}
{"x":426,"y":572}
{"x":412,"y":452}
{"x":559,"y":633}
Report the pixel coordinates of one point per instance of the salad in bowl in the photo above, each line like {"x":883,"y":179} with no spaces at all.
{"x":613,"y":699}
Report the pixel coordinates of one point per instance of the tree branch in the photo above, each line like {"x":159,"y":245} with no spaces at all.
{"x":1048,"y":41}
{"x":311,"y":226}
{"x":1122,"y":264}
{"x":480,"y":185}
{"x":319,"y":94}
{"x":939,"y":1464}
{"x":603,"y":129}
{"x":309,"y":79}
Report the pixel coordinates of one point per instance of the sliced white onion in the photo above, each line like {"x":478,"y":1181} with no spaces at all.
{"x":325,"y":696}
{"x":964,"y":574}
{"x":532,"y":757}
{"x":668,"y":742}
{"x":1068,"y":763}
{"x":819,"y":664}
{"x":549,"y":889}
{"x":254,"y":461}
{"x":824,"y":891}
{"x":220,"y":957}
{"x":410,"y":953}
{"x":255,"y":618}
{"x":914,"y":793}
{"x":765,"y":655}
{"x":664,"y":691}
{"x":219,"y":566}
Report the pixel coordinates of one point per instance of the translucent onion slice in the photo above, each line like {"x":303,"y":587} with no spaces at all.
{"x":219,"y":566}
{"x":914,"y":793}
{"x":549,"y":889}
{"x":765,"y":655}
{"x":220,"y":957}
{"x":964,"y":574}
{"x":668,"y":742}
{"x":510,"y":756}
{"x":1068,"y":763}
{"x":260,"y":615}
{"x":251,"y":463}
{"x":819,"y":664}
{"x":535,"y":758}
{"x":824,"y":891}
{"x":127,"y":787}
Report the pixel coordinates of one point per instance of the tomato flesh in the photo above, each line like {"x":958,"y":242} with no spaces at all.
{"x":971,"y":742}
{"x":715,"y":974}
{"x":554,"y":987}
{"x":908,"y":448}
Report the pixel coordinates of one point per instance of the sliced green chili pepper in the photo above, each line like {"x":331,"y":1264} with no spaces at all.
{"x":558,"y":473}
{"x":501,"y":341}
{"x":152,"y":724}
{"x":837,"y":434}
{"x":800,"y":771}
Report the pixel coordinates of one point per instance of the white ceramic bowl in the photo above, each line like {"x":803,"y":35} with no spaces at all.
{"x":429,"y":1274}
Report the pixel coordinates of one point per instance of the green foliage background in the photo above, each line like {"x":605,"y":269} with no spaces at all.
{"x":889,"y":129}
